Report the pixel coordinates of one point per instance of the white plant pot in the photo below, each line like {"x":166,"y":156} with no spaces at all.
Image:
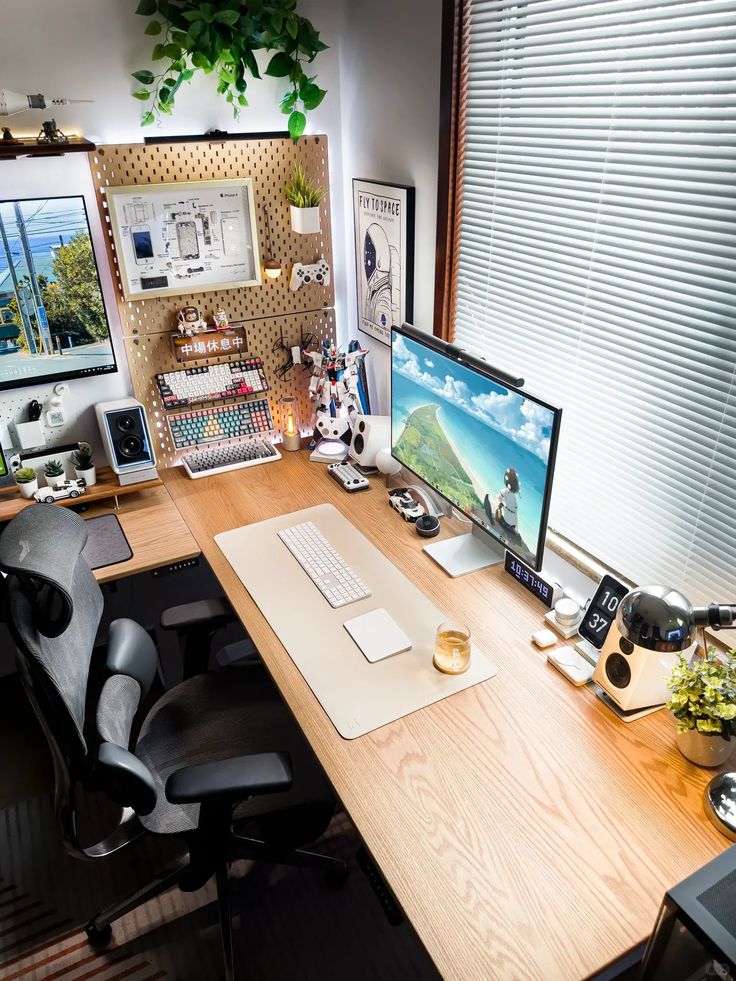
{"x":29,"y":489}
{"x":703,"y":750}
{"x":305,"y":221}
{"x":55,"y":481}
{"x":88,"y":476}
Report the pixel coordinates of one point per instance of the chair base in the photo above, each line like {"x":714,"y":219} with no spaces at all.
{"x":99,"y":929}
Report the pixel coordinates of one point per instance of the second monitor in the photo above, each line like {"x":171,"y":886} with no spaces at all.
{"x":485,"y":446}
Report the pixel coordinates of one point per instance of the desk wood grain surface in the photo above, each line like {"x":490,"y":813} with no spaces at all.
{"x":155,"y":529}
{"x":526,"y":832}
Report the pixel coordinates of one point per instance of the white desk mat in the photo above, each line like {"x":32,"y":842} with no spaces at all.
{"x":356,"y":695}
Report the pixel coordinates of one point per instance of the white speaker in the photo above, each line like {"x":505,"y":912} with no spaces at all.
{"x":370,"y":434}
{"x":127,"y":441}
{"x":633,"y":676}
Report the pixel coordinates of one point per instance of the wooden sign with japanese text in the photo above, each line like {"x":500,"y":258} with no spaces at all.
{"x":209,"y":344}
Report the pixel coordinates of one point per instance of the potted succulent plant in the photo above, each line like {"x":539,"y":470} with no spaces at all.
{"x":704,"y":703}
{"x":53,"y":471}
{"x":84,"y":466}
{"x":304,"y":198}
{"x":27,"y":481}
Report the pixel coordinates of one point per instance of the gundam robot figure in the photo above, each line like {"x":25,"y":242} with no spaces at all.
{"x":337,"y":385}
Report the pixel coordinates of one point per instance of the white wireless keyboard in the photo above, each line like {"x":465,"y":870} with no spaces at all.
{"x":329,"y":572}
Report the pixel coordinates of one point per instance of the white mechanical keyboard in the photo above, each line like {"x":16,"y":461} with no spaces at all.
{"x":332,"y":576}
{"x":218,"y":459}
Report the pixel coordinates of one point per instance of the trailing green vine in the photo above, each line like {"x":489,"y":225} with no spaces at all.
{"x":221,"y":39}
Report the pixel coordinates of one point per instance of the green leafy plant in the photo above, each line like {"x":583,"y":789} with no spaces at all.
{"x":82,"y":458}
{"x":25,"y":475}
{"x":53,"y":468}
{"x":301,"y":192}
{"x":222,"y":39}
{"x":704,"y":693}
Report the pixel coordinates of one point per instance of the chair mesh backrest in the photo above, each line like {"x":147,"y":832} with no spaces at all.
{"x":55,"y":606}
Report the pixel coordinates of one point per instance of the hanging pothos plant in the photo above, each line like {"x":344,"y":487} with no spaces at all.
{"x":221,"y":39}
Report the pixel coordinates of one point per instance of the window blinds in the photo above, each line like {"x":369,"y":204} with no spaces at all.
{"x":597,"y":258}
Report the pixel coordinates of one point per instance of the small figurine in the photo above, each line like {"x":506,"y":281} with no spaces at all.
{"x":50,"y":133}
{"x":8,"y":136}
{"x":219,"y":318}
{"x":190,"y":321}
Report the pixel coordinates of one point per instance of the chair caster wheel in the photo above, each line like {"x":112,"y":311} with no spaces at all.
{"x":99,"y":939}
{"x":336,"y":878}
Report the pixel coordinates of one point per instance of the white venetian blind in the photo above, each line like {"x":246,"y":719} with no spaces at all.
{"x":597,"y":258}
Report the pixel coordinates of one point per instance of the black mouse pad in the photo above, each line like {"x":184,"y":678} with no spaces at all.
{"x":106,"y":542}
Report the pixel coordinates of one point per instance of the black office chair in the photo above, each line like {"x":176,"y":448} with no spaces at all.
{"x":213,"y":752}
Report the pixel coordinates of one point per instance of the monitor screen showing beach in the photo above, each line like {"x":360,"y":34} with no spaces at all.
{"x":482,"y":446}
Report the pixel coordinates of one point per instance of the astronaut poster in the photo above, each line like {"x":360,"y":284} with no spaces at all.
{"x":384,"y":256}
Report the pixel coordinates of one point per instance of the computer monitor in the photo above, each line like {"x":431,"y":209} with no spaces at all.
{"x":53,"y":323}
{"x":478,"y":440}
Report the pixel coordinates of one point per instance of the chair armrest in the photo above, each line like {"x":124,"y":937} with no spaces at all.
{"x":212,"y":613}
{"x":131,"y":651}
{"x":125,"y":778}
{"x":234,"y":780}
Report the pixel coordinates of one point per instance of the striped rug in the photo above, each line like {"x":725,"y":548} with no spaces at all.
{"x":288,"y":924}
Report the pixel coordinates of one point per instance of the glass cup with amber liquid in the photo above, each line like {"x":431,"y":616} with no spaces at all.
{"x":452,"y":648}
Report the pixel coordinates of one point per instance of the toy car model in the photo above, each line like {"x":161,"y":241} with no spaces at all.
{"x":70,"y":488}
{"x":403,"y":503}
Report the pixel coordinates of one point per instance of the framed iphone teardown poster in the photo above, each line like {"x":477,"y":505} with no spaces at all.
{"x":187,"y":237}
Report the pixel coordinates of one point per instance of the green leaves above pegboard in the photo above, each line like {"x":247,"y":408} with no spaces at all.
{"x":222,"y":39}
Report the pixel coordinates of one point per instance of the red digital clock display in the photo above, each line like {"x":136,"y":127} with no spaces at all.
{"x":530,"y":580}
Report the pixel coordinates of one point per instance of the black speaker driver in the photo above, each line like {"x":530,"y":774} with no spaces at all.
{"x":358,"y":444}
{"x":125,"y":423}
{"x":131,"y":445}
{"x":618,"y":671}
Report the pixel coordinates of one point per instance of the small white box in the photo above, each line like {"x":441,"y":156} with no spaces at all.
{"x":29,"y":435}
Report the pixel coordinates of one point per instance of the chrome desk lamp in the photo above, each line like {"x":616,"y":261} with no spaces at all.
{"x":653,"y":626}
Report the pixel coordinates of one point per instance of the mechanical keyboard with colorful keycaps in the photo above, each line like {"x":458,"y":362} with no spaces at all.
{"x":220,"y":423}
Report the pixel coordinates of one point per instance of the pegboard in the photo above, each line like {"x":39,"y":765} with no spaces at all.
{"x":147,"y":352}
{"x":267,"y":311}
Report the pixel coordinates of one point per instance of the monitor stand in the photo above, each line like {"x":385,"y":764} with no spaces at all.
{"x":466,"y":553}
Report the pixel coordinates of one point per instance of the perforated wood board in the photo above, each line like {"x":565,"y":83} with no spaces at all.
{"x":269,"y":310}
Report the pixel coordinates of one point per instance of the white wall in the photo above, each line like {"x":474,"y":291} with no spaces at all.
{"x":381,"y":117}
{"x":390,"y":74}
{"x":86,"y":49}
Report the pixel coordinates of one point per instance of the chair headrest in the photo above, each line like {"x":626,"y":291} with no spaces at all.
{"x":42,"y":546}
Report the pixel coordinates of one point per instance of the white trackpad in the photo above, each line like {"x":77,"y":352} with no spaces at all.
{"x":377,"y":635}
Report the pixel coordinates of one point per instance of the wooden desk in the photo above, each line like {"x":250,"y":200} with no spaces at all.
{"x":526,"y":832}
{"x":155,"y":531}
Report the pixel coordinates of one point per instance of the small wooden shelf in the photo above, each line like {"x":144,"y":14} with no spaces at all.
{"x":31,"y":148}
{"x":107,"y":486}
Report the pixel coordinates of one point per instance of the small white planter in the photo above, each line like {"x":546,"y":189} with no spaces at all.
{"x":29,"y":489}
{"x":305,"y":221}
{"x":88,"y":476}
{"x":55,"y":481}
{"x":703,"y":750}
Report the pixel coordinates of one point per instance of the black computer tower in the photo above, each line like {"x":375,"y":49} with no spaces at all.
{"x":694,"y":938}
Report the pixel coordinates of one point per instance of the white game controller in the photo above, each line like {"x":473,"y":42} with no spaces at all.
{"x":333,"y":427}
{"x":315,"y":272}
